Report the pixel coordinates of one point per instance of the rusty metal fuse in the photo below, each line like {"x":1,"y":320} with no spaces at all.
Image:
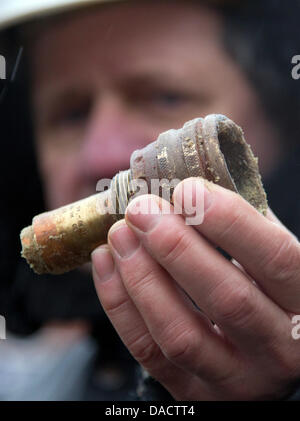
{"x":212,"y":147}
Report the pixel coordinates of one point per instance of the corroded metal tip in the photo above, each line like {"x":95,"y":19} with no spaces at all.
{"x":31,"y":250}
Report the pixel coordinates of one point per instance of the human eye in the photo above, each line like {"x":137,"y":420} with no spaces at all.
{"x":159,"y":101}
{"x":71,"y":114}
{"x":64,"y":112}
{"x":168,"y":99}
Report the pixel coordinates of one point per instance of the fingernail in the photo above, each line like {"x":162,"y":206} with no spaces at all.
{"x":122,"y":239}
{"x":103,"y":263}
{"x":143,"y":213}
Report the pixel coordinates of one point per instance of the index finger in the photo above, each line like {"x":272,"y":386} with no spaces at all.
{"x":268,"y":251}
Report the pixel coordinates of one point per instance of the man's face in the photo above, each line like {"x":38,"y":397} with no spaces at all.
{"x":106,"y":82}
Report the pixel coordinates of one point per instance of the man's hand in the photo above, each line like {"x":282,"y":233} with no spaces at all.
{"x":205,"y":327}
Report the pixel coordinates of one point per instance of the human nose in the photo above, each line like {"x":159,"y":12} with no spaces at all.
{"x":111,"y":136}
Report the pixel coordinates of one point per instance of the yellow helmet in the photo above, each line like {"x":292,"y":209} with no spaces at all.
{"x":18,"y":11}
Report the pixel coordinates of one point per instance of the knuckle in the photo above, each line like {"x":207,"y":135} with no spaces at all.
{"x":116,"y":306}
{"x":180,"y":344}
{"x":144,"y":350}
{"x":232,"y":217}
{"x":283,"y":262}
{"x":234,"y":306}
{"x":174,"y":246}
{"x":141,"y":279}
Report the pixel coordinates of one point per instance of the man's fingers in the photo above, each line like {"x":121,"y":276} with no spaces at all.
{"x":120,"y":308}
{"x":185,"y":337}
{"x":218,"y":287}
{"x":122,"y":312}
{"x":267,"y":251}
{"x":129,"y":324}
